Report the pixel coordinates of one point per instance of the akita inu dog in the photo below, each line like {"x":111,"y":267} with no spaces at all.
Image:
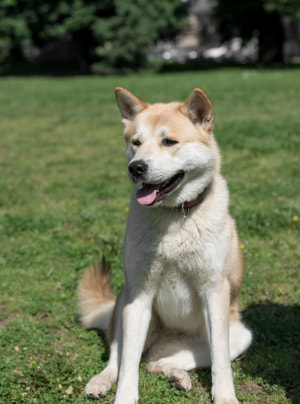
{"x":182,"y":260}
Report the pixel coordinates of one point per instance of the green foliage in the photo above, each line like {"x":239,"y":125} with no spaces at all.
{"x":63,"y":205}
{"x":136,"y":26}
{"x":28,"y":25}
{"x":114,"y":33}
{"x":289,"y":8}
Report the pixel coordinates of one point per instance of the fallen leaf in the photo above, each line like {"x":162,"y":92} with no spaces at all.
{"x":69,"y":390}
{"x":18,"y":372}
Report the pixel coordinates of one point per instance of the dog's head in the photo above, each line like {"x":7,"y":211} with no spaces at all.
{"x":171,"y":150}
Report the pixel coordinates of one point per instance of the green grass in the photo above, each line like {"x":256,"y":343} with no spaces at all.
{"x":63,"y":204}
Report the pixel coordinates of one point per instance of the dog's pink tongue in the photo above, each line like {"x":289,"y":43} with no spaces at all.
{"x":147,"y":195}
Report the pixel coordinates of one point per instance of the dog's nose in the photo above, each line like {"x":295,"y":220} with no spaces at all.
{"x":137,"y":168}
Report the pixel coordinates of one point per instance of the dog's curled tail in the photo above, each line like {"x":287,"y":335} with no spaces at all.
{"x":95,"y":299}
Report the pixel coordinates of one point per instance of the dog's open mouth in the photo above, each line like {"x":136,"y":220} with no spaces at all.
{"x":151,"y":193}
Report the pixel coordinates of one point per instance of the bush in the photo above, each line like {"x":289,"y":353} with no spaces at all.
{"x":113,"y":33}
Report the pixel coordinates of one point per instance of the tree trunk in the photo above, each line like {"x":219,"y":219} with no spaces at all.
{"x":271,"y":39}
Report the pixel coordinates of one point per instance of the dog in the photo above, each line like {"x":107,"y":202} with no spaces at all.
{"x":183,"y":266}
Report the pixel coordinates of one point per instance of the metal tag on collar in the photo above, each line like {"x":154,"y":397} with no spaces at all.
{"x":185,"y":211}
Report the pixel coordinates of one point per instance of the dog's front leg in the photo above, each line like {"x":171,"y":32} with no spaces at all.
{"x":217,"y":302}
{"x":136,"y":319}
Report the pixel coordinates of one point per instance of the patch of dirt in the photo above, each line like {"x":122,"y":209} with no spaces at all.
{"x":4,"y":321}
{"x":256,"y":390}
{"x":45,"y":318}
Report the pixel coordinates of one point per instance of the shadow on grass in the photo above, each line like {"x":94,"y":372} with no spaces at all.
{"x":274,"y":356}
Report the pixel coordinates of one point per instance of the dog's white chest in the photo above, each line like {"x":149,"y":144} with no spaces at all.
{"x":183,"y":269}
{"x":177,"y":303}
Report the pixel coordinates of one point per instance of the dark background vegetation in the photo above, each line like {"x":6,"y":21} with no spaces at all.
{"x":85,"y":36}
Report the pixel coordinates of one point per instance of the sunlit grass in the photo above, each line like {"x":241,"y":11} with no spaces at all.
{"x":64,"y":201}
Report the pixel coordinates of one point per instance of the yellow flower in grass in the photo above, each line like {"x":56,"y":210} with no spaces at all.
{"x":295,"y":218}
{"x":10,"y":187}
{"x":242,"y":246}
{"x":92,"y":240}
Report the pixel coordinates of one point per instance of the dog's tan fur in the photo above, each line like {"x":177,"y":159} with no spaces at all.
{"x":183,"y":268}
{"x":95,"y":296}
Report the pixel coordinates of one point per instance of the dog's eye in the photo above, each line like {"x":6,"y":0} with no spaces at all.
{"x":136,"y":142}
{"x":169,"y":142}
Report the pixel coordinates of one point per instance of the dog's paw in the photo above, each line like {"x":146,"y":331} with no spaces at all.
{"x":133,"y":401}
{"x":232,"y":400}
{"x":181,"y":379}
{"x":178,"y":377}
{"x":98,"y":386}
{"x":153,"y":367}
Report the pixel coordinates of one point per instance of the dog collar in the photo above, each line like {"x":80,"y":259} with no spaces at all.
{"x":186,"y":206}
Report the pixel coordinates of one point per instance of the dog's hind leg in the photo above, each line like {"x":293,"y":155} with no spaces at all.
{"x":240,"y":339}
{"x":177,"y":356}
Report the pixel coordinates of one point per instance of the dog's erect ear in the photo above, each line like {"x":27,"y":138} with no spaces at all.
{"x":129,"y":105}
{"x":199,"y":109}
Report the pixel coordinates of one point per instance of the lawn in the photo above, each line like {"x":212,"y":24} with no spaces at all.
{"x":63,"y":205}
